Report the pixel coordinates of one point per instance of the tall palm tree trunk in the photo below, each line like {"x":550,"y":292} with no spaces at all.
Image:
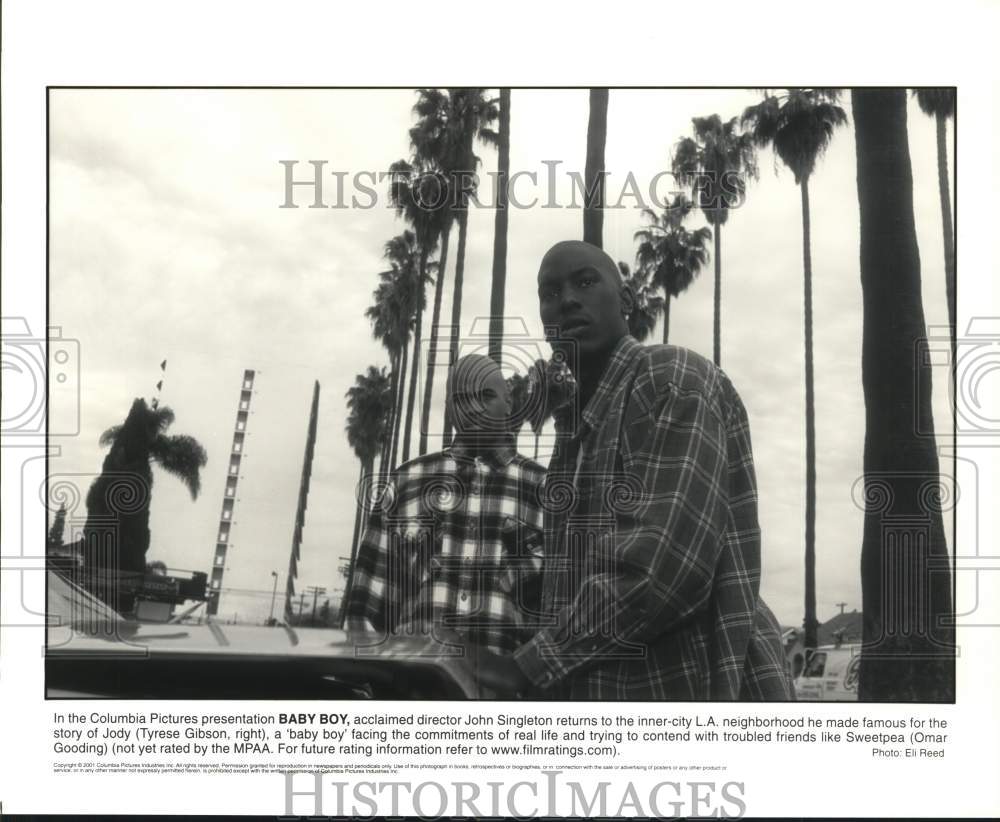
{"x":593,"y":175}
{"x":425,"y":412}
{"x":398,"y":415}
{"x":949,"y":236}
{"x":666,"y":315}
{"x":360,"y":523}
{"x":811,"y":623}
{"x":500,"y":231}
{"x":385,"y":456}
{"x":456,"y":312}
{"x":358,"y":512}
{"x":908,"y":649}
{"x":717,"y":321}
{"x":358,"y":517}
{"x":414,"y":372}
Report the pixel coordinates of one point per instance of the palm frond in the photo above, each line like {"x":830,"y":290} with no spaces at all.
{"x":935,"y":101}
{"x":180,"y":455}
{"x":109,"y":436}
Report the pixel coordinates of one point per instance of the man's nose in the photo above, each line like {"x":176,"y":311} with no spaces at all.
{"x":569,"y":300}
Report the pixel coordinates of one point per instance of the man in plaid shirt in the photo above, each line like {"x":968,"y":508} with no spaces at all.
{"x":454,"y":544}
{"x":652,"y":546}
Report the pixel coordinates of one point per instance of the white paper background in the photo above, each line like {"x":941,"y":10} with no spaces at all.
{"x":515,"y":44}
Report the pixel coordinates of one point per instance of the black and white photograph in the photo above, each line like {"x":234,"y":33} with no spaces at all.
{"x":502,"y":393}
{"x":523,"y":411}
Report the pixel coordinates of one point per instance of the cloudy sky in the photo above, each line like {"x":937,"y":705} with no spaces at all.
{"x":167,"y":242}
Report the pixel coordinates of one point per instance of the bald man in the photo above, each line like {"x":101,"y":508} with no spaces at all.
{"x":454,"y":545}
{"x":651,"y":580}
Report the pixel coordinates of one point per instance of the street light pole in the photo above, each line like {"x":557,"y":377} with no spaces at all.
{"x":315,"y":590}
{"x":274,"y":591}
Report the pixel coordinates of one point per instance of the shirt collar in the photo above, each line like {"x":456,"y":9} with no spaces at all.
{"x":499,"y":457}
{"x":622,"y":356}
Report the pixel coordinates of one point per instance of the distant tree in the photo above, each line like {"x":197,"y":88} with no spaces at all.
{"x":673,"y":254}
{"x":519,"y":386}
{"x":939,"y":103}
{"x":369,"y":405}
{"x":450,"y":122}
{"x":648,"y":303}
{"x":799,"y":124}
{"x":55,"y":538}
{"x":396,"y":300}
{"x":416,"y":191}
{"x":550,"y":386}
{"x":431,"y":143}
{"x":716,"y":162}
{"x":597,"y":137}
{"x":116,"y":533}
{"x":500,"y":223}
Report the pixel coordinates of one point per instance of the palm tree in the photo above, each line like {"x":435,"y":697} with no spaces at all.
{"x":519,"y":386}
{"x":391,"y":314}
{"x":648,"y":303}
{"x":413,"y":191}
{"x":908,"y":649}
{"x":369,"y":404}
{"x":499,"y":287}
{"x":799,"y":125}
{"x":593,"y":175}
{"x":939,"y":103}
{"x":550,"y":386}
{"x":383,"y":314}
{"x":673,"y":254}
{"x":116,"y":533}
{"x":450,"y":122}
{"x":54,"y":541}
{"x":427,"y":139}
{"x":405,"y":278}
{"x":716,"y":163}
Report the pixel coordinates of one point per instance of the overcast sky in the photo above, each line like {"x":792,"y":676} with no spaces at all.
{"x":167,"y":242}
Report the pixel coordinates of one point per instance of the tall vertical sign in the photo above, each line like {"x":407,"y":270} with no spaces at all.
{"x":222,"y":543}
{"x":300,"y":511}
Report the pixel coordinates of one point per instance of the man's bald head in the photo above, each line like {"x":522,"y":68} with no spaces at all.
{"x":582,"y":297}
{"x":578,"y":254}
{"x":478,"y":395}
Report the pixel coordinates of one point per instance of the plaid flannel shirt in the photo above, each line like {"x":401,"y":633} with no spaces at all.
{"x":651,"y":573}
{"x":455,"y":541}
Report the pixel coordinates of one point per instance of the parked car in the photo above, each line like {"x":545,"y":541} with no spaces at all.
{"x":91,"y":651}
{"x":830,"y":674}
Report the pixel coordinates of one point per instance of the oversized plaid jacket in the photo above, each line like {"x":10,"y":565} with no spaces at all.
{"x":651,"y":573}
{"x":455,"y":541}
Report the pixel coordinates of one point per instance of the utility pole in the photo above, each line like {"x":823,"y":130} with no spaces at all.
{"x":316,"y":591}
{"x":274,"y":592}
{"x":842,"y":606}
